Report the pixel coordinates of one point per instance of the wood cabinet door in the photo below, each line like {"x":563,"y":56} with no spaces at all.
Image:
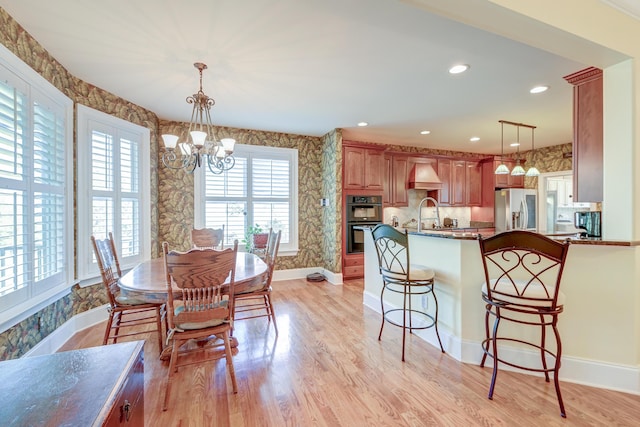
{"x":387,"y":198}
{"x":400,"y":175}
{"x":473,"y":184}
{"x":458,"y":183}
{"x":373,"y":170}
{"x":353,"y":168}
{"x":444,"y":173}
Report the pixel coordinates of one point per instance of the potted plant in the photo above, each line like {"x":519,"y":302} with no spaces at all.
{"x":255,"y":238}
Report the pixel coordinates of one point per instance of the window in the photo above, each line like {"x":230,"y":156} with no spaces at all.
{"x":260,"y":189}
{"x":36,"y":211}
{"x":113,"y":188}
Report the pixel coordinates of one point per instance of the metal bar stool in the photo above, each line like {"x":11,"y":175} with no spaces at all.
{"x":400,"y":276}
{"x":522,"y":285}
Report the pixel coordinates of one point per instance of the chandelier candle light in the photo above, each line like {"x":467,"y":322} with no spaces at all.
{"x":203,"y":146}
{"x":502,"y":169}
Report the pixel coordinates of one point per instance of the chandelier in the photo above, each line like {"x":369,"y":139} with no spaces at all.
{"x":202,"y":147}
{"x":518,"y":170}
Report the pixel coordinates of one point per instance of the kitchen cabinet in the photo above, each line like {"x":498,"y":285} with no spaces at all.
{"x":95,"y":386}
{"x":353,"y":266}
{"x":473,"y":183}
{"x":363,"y":168}
{"x":396,"y":173}
{"x":461,"y":182}
{"x":508,"y":180}
{"x":587,"y":134}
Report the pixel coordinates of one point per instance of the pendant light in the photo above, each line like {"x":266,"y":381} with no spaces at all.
{"x":502,"y":169}
{"x":518,"y":170}
{"x":532,"y":171}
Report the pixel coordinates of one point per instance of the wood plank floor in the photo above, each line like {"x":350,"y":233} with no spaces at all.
{"x":327,"y":368}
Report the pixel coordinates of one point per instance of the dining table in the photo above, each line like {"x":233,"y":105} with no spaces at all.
{"x":147,"y":282}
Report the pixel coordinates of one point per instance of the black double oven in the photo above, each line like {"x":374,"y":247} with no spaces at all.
{"x":361,"y":211}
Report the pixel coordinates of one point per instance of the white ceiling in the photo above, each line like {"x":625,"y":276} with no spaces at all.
{"x":307,"y":67}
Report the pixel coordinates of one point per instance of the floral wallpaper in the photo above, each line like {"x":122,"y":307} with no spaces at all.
{"x":332,"y":192}
{"x":175,"y":197}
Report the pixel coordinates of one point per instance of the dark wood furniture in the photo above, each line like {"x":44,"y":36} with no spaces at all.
{"x":89,"y":387}
{"x":587,"y":134}
{"x":523,"y":271}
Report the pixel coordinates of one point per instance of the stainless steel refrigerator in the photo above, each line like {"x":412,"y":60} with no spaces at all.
{"x":516,"y":208}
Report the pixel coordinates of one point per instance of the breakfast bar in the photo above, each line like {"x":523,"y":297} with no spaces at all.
{"x":600,"y":343}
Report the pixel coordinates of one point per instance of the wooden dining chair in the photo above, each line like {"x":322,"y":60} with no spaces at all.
{"x":203,"y":308}
{"x":207,"y":238}
{"x":124,"y":312}
{"x":255,"y":300}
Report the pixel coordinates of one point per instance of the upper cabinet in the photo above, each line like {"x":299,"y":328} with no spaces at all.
{"x":396,"y":173}
{"x":508,"y":180}
{"x":461,"y":182}
{"x":587,"y":134}
{"x":363,"y":168}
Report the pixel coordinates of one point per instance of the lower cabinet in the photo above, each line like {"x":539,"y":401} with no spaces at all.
{"x":353,"y":266}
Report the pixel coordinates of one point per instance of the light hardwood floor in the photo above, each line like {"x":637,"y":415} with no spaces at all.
{"x":327,"y":368}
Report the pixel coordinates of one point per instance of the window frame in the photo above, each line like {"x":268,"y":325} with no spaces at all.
{"x":249,"y":151}
{"x":89,"y":119}
{"x":38,"y":89}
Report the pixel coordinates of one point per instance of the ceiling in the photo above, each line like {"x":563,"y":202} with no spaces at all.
{"x":308,"y":67}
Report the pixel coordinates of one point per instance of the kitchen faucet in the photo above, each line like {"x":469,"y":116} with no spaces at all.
{"x":437,"y":218}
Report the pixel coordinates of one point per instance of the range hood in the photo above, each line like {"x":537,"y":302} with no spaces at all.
{"x":424,"y":177}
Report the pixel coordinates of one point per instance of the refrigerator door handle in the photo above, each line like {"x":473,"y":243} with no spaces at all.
{"x":524,"y":214}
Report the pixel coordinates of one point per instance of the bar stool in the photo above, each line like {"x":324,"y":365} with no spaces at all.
{"x":522,"y":285}
{"x":400,"y":276}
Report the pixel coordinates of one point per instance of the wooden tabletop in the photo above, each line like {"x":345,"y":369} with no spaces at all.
{"x":147,"y":281}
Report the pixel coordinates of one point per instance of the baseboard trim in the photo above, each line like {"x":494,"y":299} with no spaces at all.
{"x":574,"y":370}
{"x":302,"y":273}
{"x":56,"y":339}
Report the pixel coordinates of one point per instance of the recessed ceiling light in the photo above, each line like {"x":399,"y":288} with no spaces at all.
{"x":474,"y":138}
{"x":457,"y":69}
{"x":514,"y":144}
{"x":425,"y":132}
{"x":539,"y":89}
{"x":363,"y":124}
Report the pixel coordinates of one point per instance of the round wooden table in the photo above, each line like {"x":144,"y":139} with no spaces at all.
{"x":147,"y":281}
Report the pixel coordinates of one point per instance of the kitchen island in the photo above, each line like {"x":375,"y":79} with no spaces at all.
{"x":600,"y":326}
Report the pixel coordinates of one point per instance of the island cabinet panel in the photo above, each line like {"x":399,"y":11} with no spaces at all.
{"x":396,"y":174}
{"x":98,"y":386}
{"x":473,"y":183}
{"x":587,"y":134}
{"x":363,"y":168}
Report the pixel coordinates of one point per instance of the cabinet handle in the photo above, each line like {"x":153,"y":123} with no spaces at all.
{"x":126,"y":410}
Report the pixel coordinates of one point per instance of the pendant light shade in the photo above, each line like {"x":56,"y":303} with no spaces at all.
{"x":502,"y":169}
{"x":532,"y":171}
{"x":518,"y":170}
